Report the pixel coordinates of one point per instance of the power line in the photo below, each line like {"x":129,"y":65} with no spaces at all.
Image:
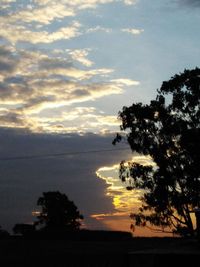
{"x":38,"y":156}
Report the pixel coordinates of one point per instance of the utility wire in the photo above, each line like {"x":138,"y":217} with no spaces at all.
{"x":37,"y":156}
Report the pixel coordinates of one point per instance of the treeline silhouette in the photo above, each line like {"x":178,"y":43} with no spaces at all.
{"x":59,"y":218}
{"x":80,"y":235}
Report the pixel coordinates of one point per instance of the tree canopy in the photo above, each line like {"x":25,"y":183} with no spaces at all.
{"x":58,"y":212}
{"x":168,"y":130}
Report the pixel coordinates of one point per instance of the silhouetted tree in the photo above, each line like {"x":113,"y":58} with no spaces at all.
{"x":58,"y":212}
{"x":168,"y":130}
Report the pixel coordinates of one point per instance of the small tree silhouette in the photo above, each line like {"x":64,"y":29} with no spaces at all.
{"x":58,"y":212}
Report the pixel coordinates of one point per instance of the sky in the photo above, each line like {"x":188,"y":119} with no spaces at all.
{"x":66,"y":69}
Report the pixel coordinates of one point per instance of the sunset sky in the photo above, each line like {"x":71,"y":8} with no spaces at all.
{"x":66,"y":69}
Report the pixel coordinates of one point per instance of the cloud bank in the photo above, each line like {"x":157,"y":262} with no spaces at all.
{"x":24,"y":180}
{"x":35,"y":86}
{"x":191,"y":3}
{"x":40,"y":89}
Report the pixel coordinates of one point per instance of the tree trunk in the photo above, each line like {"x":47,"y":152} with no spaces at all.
{"x":197,"y":214}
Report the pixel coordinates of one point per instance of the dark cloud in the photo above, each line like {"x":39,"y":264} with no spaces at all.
{"x":4,"y":51}
{"x":23,"y":181}
{"x":11,"y":92}
{"x":38,"y":100}
{"x":11,"y":117}
{"x":15,"y":80}
{"x":191,"y":3}
{"x":8,"y":61}
{"x":6,"y":66}
{"x":54,"y":63}
{"x":81,"y":92}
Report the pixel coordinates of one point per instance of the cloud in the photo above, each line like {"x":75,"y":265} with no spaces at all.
{"x":18,"y":33}
{"x":47,"y":63}
{"x":44,"y":14}
{"x":133,"y":31}
{"x":78,"y":4}
{"x":127,"y":82}
{"x":85,"y":4}
{"x":6,"y":66}
{"x":22,"y":22}
{"x":124,"y":201}
{"x":8,"y":61}
{"x":78,"y":119}
{"x":80,"y":55}
{"x":130,"y":2}
{"x":99,"y":28}
{"x":73,"y":72}
{"x":34,"y":81}
{"x":6,"y":3}
{"x":20,"y":189}
{"x":9,"y":119}
{"x":191,"y":3}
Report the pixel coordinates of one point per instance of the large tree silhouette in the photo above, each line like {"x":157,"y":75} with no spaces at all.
{"x":58,"y":212}
{"x":168,"y":130}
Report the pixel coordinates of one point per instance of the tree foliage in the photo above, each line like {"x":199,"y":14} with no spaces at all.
{"x":58,"y":212}
{"x":168,"y":130}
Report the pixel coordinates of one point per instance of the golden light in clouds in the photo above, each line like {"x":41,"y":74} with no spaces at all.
{"x":124,"y":201}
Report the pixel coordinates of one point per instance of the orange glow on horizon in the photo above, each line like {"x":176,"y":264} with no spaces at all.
{"x":124,"y":202}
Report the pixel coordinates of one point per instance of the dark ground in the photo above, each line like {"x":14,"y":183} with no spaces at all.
{"x":136,"y":252}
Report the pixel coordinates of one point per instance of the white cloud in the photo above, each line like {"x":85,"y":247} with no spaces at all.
{"x":80,"y":55}
{"x":99,"y":28}
{"x":75,"y":3}
{"x":33,"y":82}
{"x":15,"y":33}
{"x":133,"y":31}
{"x":71,"y":72}
{"x":25,"y":22}
{"x":46,"y":11}
{"x":43,"y":14}
{"x":130,"y":2}
{"x":127,"y":82}
{"x":82,"y":119}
